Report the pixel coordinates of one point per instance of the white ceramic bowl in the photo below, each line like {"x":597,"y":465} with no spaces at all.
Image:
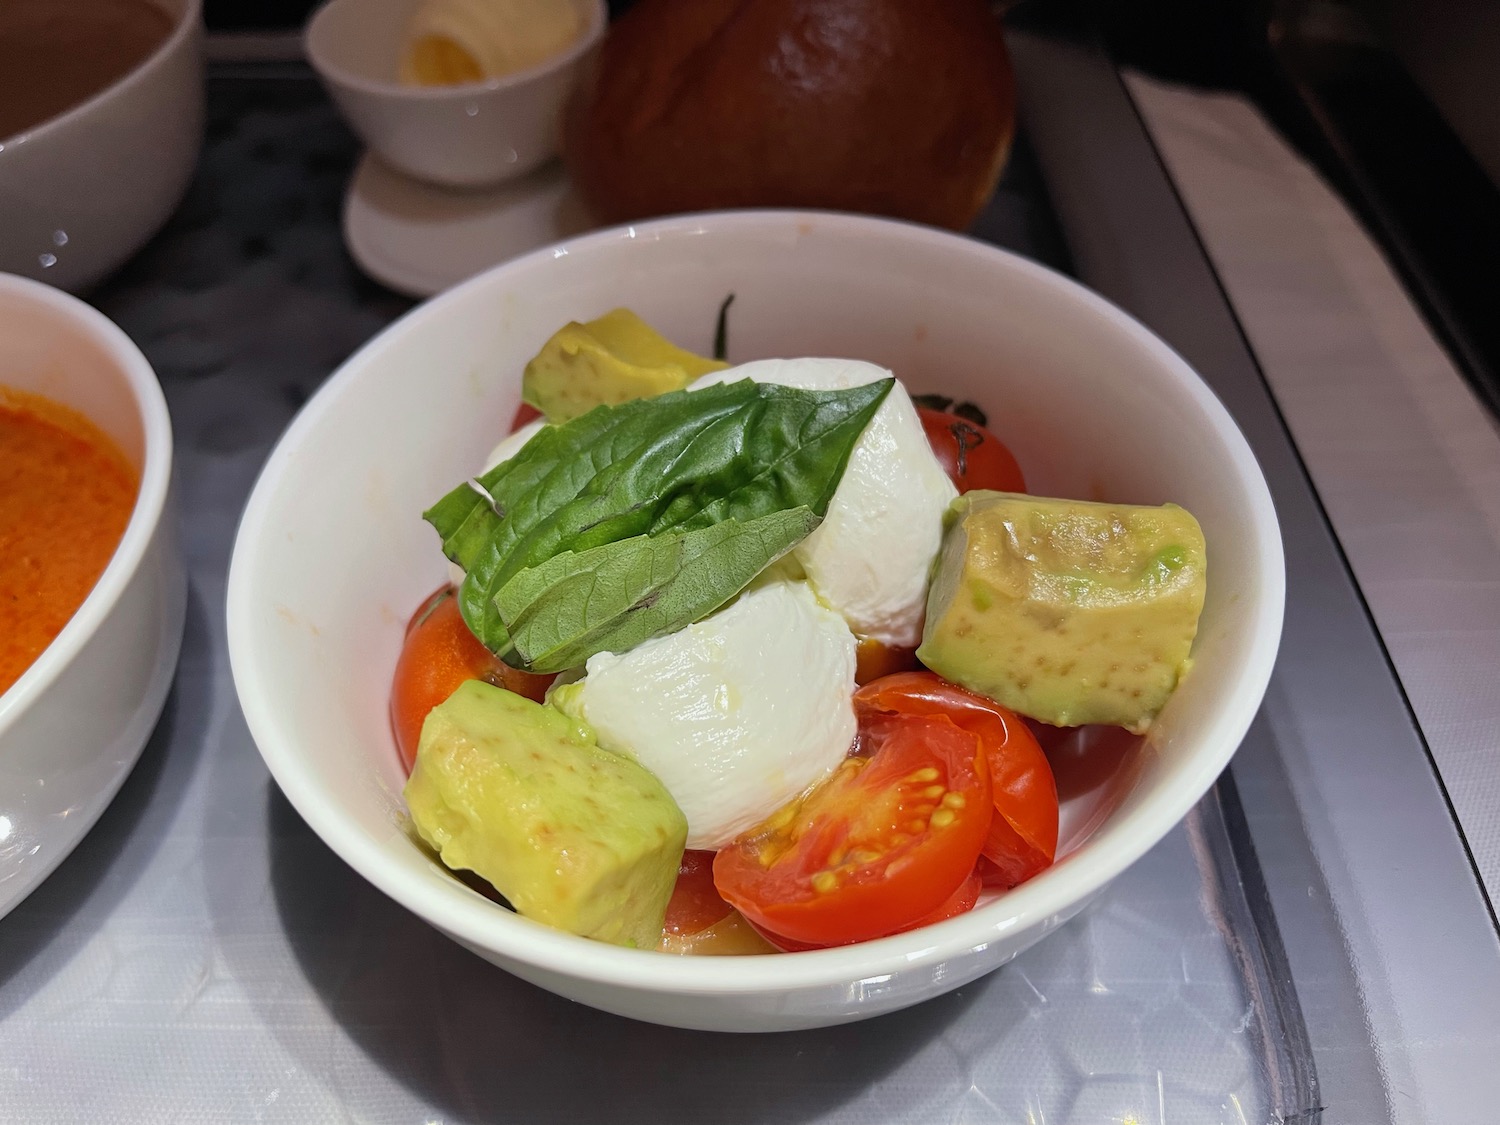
{"x":85,"y":190}
{"x":75,"y":722}
{"x":457,"y":136}
{"x":332,"y":557}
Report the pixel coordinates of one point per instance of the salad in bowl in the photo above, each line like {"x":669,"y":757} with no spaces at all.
{"x":800,"y":577}
{"x":742,"y":659}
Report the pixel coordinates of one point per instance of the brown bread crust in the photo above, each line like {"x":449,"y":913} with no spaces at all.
{"x":894,"y":107}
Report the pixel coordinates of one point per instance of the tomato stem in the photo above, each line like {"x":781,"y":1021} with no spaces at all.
{"x":966,"y":437}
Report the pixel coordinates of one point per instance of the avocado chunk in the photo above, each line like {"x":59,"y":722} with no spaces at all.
{"x":1067,"y":611}
{"x":571,"y":834}
{"x":611,"y":360}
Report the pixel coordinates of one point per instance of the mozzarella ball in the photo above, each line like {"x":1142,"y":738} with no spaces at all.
{"x":509,"y":446}
{"x":737,"y":714}
{"x":871,"y":556}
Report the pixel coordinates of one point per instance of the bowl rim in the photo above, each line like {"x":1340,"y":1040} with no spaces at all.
{"x":150,"y":500}
{"x":1043,"y":902}
{"x":317,"y":58}
{"x":186,"y":27}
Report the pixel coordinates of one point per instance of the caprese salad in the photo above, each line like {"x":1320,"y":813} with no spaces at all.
{"x":743,"y":659}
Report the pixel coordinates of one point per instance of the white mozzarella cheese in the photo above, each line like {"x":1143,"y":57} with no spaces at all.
{"x":737,"y":714}
{"x":871,"y":556}
{"x":509,"y":446}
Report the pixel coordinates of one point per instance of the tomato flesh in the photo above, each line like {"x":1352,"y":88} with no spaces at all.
{"x":695,"y":904}
{"x":959,"y":902}
{"x":876,"y":847}
{"x":439,"y":654}
{"x":1022,"y":837}
{"x":970,"y":455}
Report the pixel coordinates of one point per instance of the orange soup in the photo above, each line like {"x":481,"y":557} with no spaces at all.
{"x":66,"y":494}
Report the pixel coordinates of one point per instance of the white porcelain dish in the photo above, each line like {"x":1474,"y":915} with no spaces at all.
{"x":419,"y":239}
{"x":74,"y":723}
{"x":332,"y":557}
{"x":472,"y":135}
{"x":82,"y":192}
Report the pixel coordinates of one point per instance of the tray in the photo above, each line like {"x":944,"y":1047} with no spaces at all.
{"x":203,"y":957}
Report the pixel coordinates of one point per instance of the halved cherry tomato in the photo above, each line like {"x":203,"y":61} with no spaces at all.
{"x":970,"y":455}
{"x":875,"y":848}
{"x":525,"y":414}
{"x":699,"y":921}
{"x":439,"y":654}
{"x":696,"y":904}
{"x":1023,"y":836}
{"x":959,"y":902}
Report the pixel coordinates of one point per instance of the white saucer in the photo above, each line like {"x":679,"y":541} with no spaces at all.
{"x":420,"y":239}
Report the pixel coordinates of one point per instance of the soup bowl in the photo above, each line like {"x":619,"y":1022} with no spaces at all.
{"x":332,"y":557}
{"x":75,"y":722}
{"x":83,"y":191}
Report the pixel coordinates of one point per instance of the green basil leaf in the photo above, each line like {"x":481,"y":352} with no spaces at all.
{"x":611,"y":598}
{"x":682,"y":462}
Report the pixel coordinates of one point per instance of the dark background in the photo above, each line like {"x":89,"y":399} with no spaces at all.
{"x":267,"y":15}
{"x":1393,"y":100}
{"x":237,"y":15}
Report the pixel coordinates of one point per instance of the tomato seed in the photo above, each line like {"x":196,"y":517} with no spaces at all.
{"x":933,"y":792}
{"x":943,"y":817}
{"x":926,"y":773}
{"x":825,"y":881}
{"x":954,"y":801}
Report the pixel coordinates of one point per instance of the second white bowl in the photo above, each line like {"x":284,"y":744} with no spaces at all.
{"x":82,"y":192}
{"x":332,"y":557}
{"x":74,"y":723}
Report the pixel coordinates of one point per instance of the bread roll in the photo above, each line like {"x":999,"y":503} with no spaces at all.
{"x":895,"y":107}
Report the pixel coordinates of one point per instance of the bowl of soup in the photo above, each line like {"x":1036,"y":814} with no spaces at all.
{"x":101,"y":121}
{"x":92,"y":589}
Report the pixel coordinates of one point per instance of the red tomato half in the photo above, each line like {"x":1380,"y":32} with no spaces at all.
{"x":959,"y":902}
{"x":970,"y":455}
{"x":695,"y":904}
{"x":875,"y":848}
{"x":439,"y":654}
{"x":1023,"y":836}
{"x":525,"y":414}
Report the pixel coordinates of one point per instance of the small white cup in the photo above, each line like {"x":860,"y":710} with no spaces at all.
{"x":469,"y":135}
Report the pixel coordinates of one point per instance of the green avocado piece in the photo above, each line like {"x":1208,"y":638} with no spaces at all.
{"x":571,"y":834}
{"x":1068,"y":611}
{"x":614,"y":359}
